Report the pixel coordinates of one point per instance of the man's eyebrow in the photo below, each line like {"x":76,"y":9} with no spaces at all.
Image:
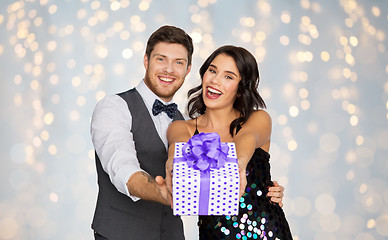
{"x":161,"y":55}
{"x":231,"y":72}
{"x":182,"y":59}
{"x":158,"y":54}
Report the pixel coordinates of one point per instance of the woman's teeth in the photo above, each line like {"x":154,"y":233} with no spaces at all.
{"x":212,"y":90}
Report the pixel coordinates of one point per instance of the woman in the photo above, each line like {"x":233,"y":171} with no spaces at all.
{"x":228,"y":102}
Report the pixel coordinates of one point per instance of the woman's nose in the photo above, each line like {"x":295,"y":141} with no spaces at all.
{"x":215,"y":80}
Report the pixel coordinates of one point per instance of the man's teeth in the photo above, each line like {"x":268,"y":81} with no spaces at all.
{"x":212,"y":90}
{"x":166,"y":79}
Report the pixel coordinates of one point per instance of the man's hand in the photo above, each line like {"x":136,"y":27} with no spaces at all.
{"x":276,"y":193}
{"x":169,"y":167}
{"x":144,"y":186}
{"x":162,"y":186}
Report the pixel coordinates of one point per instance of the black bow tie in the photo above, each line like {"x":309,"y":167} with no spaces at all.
{"x":159,"y":107}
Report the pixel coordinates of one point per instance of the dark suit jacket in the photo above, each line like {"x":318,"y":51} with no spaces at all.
{"x":116,"y":215}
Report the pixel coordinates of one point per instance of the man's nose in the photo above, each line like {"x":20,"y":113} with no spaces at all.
{"x":168,"y":67}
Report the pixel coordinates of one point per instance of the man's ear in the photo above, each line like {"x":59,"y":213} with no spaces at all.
{"x":145,"y":61}
{"x":188,"y":70}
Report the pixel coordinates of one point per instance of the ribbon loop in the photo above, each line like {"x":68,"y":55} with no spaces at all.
{"x":205,"y":151}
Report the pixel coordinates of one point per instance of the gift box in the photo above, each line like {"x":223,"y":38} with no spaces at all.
{"x":205,"y":177}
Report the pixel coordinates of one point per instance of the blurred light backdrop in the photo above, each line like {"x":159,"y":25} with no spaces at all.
{"x":324,"y":77}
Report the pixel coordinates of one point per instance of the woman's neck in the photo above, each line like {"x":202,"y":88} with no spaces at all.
{"x":218,"y":120}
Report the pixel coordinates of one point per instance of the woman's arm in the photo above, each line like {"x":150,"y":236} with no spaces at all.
{"x":176,"y":132}
{"x":255,"y":133}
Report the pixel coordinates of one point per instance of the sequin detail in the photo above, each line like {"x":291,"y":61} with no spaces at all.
{"x":258,"y":217}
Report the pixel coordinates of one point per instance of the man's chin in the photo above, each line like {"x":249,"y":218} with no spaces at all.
{"x":167,"y":92}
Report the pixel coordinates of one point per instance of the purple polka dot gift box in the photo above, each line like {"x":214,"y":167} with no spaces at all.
{"x":205,"y":177}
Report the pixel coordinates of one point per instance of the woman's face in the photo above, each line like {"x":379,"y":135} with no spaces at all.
{"x":220,"y":82}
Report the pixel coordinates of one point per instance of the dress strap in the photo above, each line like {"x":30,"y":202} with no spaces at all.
{"x":196,"y":129}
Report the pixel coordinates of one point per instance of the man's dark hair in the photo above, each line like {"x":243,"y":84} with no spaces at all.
{"x":170,"y":34}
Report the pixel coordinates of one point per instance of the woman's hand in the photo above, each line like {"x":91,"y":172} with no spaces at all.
{"x":243,"y":181}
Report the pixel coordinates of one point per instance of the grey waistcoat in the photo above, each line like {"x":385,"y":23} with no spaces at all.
{"x":116,"y":215}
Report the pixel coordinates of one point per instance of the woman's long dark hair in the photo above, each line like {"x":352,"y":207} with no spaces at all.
{"x":248,"y":98}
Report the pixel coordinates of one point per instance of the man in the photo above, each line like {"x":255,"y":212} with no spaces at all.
{"x":129,"y":135}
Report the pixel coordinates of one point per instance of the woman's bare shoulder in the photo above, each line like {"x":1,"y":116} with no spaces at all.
{"x":180,"y":130}
{"x":261,"y":115}
{"x":182,"y":123}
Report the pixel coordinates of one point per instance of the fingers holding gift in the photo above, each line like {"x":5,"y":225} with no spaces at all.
{"x":166,"y":195}
{"x":168,"y":179}
{"x":243,"y":182}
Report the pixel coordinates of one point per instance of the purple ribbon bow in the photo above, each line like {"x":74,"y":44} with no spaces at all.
{"x":205,"y":151}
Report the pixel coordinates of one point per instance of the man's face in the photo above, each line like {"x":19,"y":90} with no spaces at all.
{"x":166,"y":69}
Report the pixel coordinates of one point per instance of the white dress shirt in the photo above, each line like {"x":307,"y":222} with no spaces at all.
{"x":113,"y":140}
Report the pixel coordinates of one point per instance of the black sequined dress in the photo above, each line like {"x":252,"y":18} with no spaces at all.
{"x":258,"y":217}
